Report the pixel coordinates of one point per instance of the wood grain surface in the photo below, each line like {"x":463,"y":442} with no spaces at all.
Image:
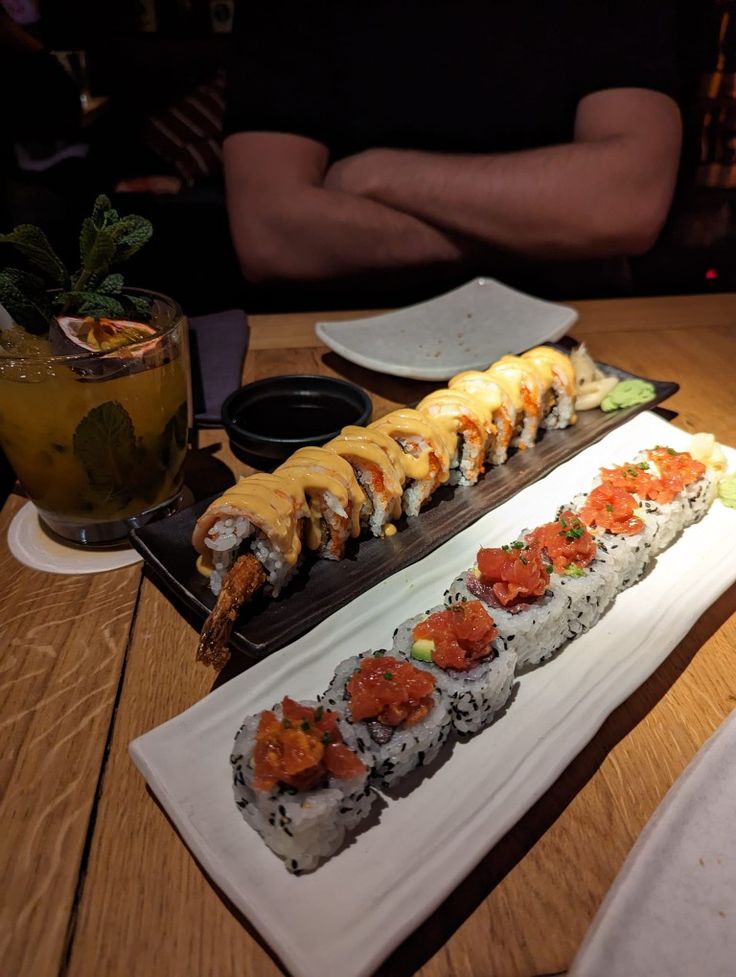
{"x":96,"y":881}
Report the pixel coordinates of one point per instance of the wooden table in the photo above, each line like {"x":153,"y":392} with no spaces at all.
{"x":95,"y":881}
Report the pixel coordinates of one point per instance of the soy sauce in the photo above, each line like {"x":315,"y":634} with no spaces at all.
{"x":297,"y":415}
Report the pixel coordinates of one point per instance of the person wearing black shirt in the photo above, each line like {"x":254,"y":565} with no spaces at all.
{"x":369,"y":139}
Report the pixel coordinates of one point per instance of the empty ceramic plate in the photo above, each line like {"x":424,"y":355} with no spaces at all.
{"x":465,"y":329}
{"x":671,"y":909}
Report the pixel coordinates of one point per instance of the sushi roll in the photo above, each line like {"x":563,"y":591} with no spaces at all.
{"x":334,"y":499}
{"x":378,"y":465}
{"x":683,"y":491}
{"x":672,"y":490}
{"x":427,"y":452}
{"x":584,"y":579}
{"x":468,"y":425}
{"x":524,"y":385}
{"x":459,"y":646}
{"x":299,"y":781}
{"x":247,"y":539}
{"x":261,"y":511}
{"x":397,"y":715}
{"x":513,"y":582}
{"x":558,"y":376}
{"x":499,"y":402}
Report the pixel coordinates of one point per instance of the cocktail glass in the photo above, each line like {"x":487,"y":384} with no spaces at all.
{"x":98,"y":439}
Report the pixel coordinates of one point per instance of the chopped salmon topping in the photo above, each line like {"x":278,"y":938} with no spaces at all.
{"x":677,"y":470}
{"x":514,"y":573}
{"x":301,"y":750}
{"x":462,"y":634}
{"x":565,"y":542}
{"x":611,"y":507}
{"x":391,"y":691}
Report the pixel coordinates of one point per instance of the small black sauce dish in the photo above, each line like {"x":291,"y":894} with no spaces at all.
{"x":271,"y":418}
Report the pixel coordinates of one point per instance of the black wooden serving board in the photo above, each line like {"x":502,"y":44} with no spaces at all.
{"x":321,"y":587}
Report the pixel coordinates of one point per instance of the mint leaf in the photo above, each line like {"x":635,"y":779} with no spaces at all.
{"x":105,"y":238}
{"x":174,"y":436}
{"x":130,"y":234}
{"x":87,"y":238}
{"x":99,"y":253}
{"x":110,"y":285}
{"x":105,"y":444}
{"x":101,"y":206}
{"x":137,"y":307}
{"x":25,"y":298}
{"x":35,"y":248}
{"x":91,"y":303}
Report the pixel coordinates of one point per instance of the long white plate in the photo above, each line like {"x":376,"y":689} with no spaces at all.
{"x":346,"y":917}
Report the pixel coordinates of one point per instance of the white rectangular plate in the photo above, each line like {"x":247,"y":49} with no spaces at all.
{"x":465,"y":329}
{"x":346,"y":917}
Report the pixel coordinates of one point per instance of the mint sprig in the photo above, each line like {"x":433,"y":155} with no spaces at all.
{"x":105,"y":444}
{"x":35,"y":248}
{"x":106,"y":239}
{"x":26,"y":299}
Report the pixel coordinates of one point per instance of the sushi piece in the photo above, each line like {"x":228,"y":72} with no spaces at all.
{"x":672,"y":488}
{"x":458,"y":646}
{"x":261,"y":509}
{"x":398,"y":716}
{"x":513,"y":582}
{"x":583,"y":578}
{"x":499,"y":402}
{"x":558,"y":376}
{"x":378,"y":465}
{"x":334,"y":499}
{"x":468,"y":426}
{"x":522,"y":382}
{"x":299,"y":781}
{"x":427,"y":450}
{"x":261,"y":514}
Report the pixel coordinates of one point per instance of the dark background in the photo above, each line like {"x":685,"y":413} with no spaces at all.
{"x":146,"y":55}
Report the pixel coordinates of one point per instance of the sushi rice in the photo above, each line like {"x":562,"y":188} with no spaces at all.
{"x":225,"y":539}
{"x":305,"y":827}
{"x":475,"y":695}
{"x":409,"y":747}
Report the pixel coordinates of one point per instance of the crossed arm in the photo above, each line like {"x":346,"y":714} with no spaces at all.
{"x":604,"y":194}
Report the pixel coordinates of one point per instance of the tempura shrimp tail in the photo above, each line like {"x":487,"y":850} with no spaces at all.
{"x":239,"y":584}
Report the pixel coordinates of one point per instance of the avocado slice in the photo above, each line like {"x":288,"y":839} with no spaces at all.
{"x":422,"y":649}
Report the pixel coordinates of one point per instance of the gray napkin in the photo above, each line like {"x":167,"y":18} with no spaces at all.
{"x":217,"y":344}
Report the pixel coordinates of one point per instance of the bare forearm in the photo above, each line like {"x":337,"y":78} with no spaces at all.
{"x":606,"y":193}
{"x":542,"y":202}
{"x":317,"y":234}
